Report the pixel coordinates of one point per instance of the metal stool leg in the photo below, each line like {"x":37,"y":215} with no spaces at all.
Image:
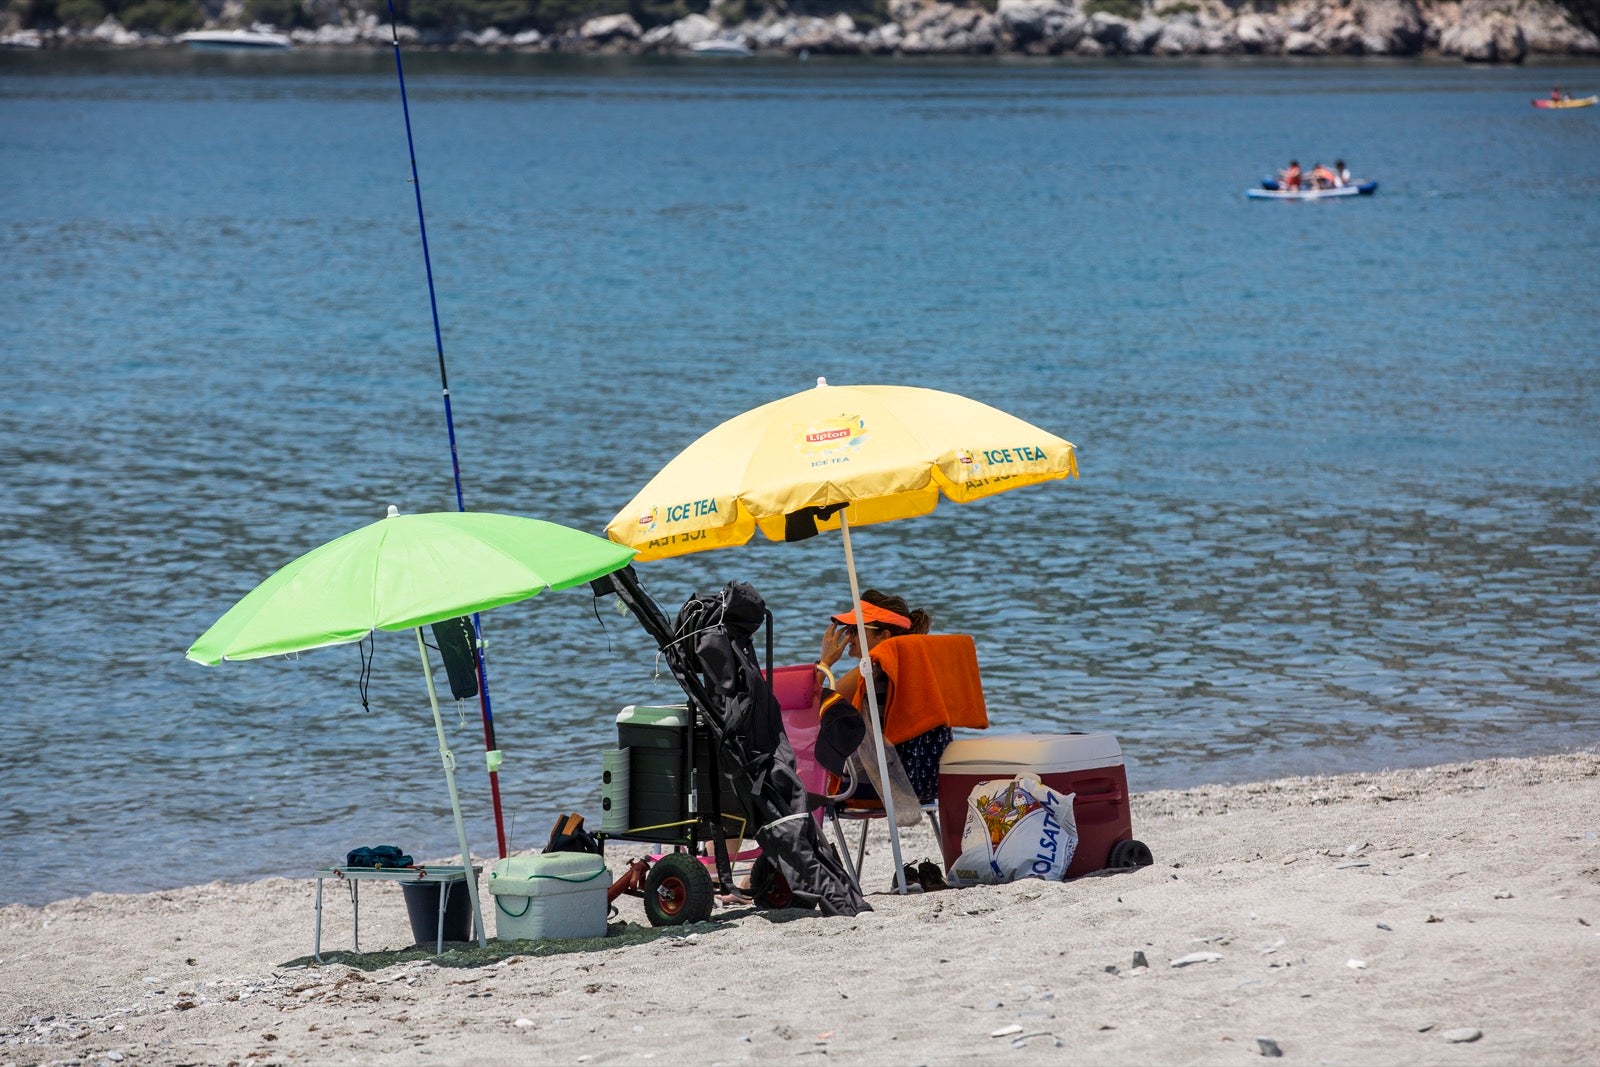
{"x":444,"y":898}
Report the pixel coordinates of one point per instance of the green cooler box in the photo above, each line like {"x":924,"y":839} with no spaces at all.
{"x":644,"y":793}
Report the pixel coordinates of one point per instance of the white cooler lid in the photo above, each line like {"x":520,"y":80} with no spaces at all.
{"x":548,"y":873}
{"x":643,"y":715}
{"x":1013,"y":754}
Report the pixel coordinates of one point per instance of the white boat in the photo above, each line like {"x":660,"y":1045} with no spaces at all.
{"x":236,"y":40}
{"x":720,"y":46}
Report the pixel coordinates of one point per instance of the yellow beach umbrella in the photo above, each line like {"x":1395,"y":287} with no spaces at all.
{"x":834,"y":457}
{"x":881,"y":451}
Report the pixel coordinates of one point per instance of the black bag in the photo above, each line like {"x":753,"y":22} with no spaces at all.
{"x":568,"y":835}
{"x":456,"y":640}
{"x":841,"y":733}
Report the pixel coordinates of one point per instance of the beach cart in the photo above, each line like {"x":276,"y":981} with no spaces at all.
{"x":691,"y":778}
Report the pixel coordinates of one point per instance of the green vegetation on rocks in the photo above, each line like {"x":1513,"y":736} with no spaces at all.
{"x":1126,"y":9}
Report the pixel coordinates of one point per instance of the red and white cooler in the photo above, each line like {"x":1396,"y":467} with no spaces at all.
{"x":1088,"y":765}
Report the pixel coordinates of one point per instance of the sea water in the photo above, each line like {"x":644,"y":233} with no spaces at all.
{"x":1338,"y":501}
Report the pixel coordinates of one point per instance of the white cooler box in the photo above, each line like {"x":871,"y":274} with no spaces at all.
{"x":553,"y":894}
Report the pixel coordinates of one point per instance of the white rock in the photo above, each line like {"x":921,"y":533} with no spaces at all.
{"x":112,"y":32}
{"x":1251,"y":32}
{"x":1179,"y":37}
{"x":1462,"y":1035}
{"x":1301,"y":43}
{"x":607,"y":27}
{"x":1197,"y":957}
{"x":692,"y":29}
{"x":1356,"y":965}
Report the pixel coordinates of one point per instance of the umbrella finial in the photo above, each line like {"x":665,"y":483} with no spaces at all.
{"x":393,"y":512}
{"x":821,"y":381}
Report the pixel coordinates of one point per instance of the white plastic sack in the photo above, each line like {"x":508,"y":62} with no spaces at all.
{"x":1016,"y":828}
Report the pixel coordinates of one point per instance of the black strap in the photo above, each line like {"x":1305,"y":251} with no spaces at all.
{"x":802,"y":524}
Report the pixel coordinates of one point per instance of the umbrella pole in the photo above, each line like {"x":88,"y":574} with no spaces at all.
{"x":872,"y":706}
{"x":447,"y":758}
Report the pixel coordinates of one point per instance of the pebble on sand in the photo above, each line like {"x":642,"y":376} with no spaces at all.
{"x":1461,"y":1035}
{"x":1269,"y":1047}
{"x":1197,"y":957}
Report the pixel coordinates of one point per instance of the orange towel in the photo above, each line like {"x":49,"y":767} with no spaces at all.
{"x":933,"y":681}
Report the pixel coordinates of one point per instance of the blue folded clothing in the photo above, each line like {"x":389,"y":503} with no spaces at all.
{"x":382,"y":857}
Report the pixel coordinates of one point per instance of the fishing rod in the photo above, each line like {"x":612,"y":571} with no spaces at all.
{"x":491,"y":750}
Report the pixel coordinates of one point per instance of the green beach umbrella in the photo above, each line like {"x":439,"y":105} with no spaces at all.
{"x":403,"y":573}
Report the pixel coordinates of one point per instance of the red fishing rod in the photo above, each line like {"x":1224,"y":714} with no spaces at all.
{"x":491,"y":750}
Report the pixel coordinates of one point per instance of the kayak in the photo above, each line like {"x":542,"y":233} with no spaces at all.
{"x":1581,"y":101}
{"x":1269,"y":191}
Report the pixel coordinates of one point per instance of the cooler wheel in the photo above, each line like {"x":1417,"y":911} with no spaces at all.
{"x":677,"y":890}
{"x":1126,"y":854}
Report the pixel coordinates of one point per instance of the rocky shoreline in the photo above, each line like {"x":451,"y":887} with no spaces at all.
{"x":1484,"y":31}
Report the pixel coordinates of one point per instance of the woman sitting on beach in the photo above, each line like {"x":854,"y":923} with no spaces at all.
{"x":886,"y":616}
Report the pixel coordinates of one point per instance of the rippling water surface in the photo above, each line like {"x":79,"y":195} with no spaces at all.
{"x":1338,"y":503}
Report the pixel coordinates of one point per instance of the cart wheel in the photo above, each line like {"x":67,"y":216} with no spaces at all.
{"x":1126,"y":854}
{"x":775,"y":891}
{"x":677,"y":891}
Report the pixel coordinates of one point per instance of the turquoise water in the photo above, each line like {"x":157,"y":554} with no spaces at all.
{"x":1338,"y":504}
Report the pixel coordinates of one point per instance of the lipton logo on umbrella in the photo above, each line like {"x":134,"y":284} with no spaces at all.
{"x":830,"y":436}
{"x":964,"y":457}
{"x":647,"y":521}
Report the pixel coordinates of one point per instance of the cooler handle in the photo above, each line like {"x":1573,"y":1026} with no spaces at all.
{"x":1096,"y":798}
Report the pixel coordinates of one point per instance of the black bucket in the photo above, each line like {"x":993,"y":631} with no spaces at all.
{"x":422,"y":907}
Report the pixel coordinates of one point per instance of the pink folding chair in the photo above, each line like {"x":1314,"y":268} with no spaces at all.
{"x":799,"y":696}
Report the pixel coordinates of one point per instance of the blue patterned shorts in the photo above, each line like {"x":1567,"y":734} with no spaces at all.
{"x":920,"y":757}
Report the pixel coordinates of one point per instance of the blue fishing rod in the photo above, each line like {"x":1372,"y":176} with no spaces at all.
{"x":492,"y":751}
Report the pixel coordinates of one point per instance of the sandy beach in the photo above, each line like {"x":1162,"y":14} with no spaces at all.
{"x":1446,"y":915}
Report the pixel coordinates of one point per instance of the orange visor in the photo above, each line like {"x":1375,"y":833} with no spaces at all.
{"x":875,"y":616}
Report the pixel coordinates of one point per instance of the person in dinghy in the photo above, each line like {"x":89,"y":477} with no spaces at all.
{"x":1289,"y":177}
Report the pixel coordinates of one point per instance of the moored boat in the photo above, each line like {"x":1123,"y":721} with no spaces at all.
{"x":720,"y":46}
{"x":236,"y":40}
